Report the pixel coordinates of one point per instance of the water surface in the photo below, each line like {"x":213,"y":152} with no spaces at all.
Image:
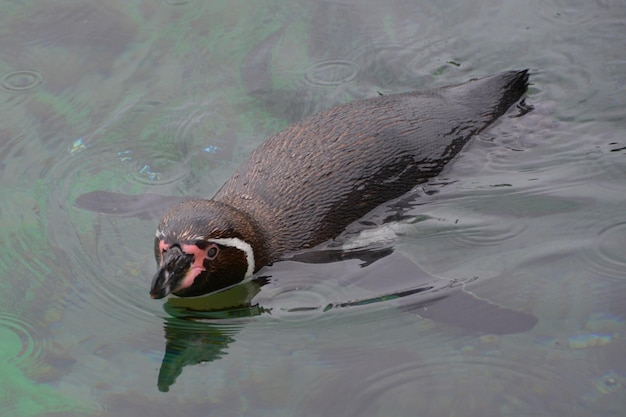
{"x":166,"y":98}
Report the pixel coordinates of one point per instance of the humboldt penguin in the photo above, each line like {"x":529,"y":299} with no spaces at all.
{"x":307,"y":183}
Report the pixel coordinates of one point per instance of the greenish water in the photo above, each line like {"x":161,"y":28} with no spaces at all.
{"x":168,"y":97}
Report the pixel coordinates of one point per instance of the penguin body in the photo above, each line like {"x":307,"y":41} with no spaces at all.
{"x":307,"y":183}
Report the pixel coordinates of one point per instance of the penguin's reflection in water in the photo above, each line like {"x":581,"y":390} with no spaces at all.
{"x":201,"y":329}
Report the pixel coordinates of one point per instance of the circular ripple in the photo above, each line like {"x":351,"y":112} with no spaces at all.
{"x":20,"y":343}
{"x":331,"y":73}
{"x":293,"y":302}
{"x":22,"y":80}
{"x":427,"y":59}
{"x":110,"y":270}
{"x":109,"y":256}
{"x":479,"y":231}
{"x":160,"y":170}
{"x":608,"y":255}
{"x":475,"y":383}
{"x":490,"y":235}
{"x":109,"y":260}
{"x":564,"y":13}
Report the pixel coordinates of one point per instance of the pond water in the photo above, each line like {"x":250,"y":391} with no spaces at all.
{"x":134,"y":102}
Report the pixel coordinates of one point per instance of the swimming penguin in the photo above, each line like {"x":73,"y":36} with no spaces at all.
{"x":307,"y":183}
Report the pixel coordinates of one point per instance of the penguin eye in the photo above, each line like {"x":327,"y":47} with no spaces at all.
{"x":212,"y":253}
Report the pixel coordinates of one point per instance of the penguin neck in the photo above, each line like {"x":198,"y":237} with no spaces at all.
{"x":278,"y":232}
{"x":253,"y":234}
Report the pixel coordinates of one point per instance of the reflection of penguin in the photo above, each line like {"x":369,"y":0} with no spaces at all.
{"x":188,"y":343}
{"x":307,"y":183}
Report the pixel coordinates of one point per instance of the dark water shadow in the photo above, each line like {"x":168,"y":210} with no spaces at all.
{"x":146,"y":206}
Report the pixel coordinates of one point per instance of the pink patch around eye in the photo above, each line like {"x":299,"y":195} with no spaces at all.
{"x":196,"y":268}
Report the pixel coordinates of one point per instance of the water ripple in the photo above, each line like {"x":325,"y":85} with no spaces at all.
{"x":490,"y":234}
{"x":330,"y":73}
{"x":312,"y":292}
{"x":292,"y":302}
{"x":473,"y":383}
{"x":110,"y":259}
{"x":157,"y":169}
{"x":22,"y":80}
{"x":295,"y":292}
{"x":22,"y":344}
{"x":111,"y":265}
{"x":566,"y":13}
{"x":605,"y":254}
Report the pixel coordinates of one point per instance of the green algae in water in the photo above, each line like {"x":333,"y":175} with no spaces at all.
{"x":22,"y":396}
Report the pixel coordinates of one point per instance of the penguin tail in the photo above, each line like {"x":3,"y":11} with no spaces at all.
{"x":505,"y":88}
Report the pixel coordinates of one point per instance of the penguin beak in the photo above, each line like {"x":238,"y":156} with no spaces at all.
{"x":174,"y":267}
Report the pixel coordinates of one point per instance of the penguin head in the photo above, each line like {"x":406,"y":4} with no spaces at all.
{"x":204,"y":246}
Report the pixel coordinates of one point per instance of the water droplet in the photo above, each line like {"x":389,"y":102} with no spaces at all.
{"x":211,"y":149}
{"x":125,"y":156}
{"x":77,"y":146}
{"x":146,"y":171}
{"x":608,"y":383}
{"x":159,"y":169}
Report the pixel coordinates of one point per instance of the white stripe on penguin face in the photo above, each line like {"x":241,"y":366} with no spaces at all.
{"x":243,"y":246}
